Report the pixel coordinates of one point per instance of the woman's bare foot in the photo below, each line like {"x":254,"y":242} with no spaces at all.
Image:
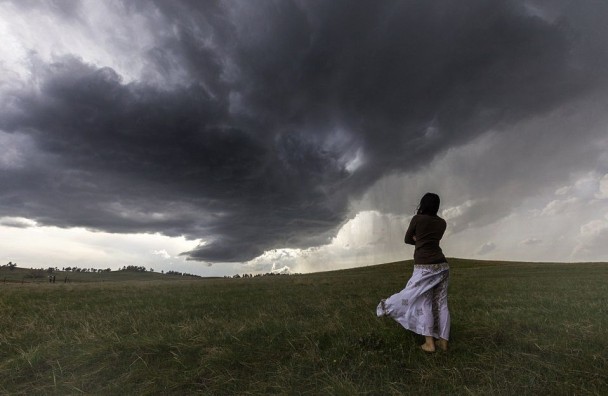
{"x":442,"y":344}
{"x":429,"y":345}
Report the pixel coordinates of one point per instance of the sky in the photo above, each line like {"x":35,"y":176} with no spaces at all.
{"x":225,"y":137}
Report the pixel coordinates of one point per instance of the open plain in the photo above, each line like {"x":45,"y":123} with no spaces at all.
{"x":517,"y":328}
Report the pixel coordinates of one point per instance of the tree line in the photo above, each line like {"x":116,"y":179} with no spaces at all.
{"x":78,"y":269}
{"x":238,"y":276}
{"x":11,"y":266}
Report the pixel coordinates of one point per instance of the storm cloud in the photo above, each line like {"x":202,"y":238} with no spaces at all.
{"x":254,"y":125}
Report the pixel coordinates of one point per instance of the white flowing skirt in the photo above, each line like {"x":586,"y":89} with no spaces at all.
{"x":422,"y":306}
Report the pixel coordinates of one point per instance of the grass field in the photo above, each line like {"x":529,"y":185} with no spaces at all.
{"x":517,"y":328}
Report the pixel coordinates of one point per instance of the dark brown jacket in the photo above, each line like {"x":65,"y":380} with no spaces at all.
{"x":428,"y":231}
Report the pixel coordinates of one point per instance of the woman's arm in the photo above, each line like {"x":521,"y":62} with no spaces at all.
{"x":410,"y":234}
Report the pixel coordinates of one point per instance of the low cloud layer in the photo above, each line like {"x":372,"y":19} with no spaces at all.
{"x":253,"y":127}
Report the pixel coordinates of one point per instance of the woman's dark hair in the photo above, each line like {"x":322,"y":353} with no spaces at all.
{"x":429,"y":204}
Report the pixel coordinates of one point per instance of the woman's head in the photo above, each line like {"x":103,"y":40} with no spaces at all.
{"x":429,"y":204}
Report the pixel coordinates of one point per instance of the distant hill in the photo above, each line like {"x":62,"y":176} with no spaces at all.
{"x":32,"y":275}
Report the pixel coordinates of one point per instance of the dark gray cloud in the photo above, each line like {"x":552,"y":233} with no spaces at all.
{"x":252,"y":142}
{"x":15,"y":222}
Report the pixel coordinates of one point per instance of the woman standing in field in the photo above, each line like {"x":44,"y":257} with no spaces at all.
{"x":422,"y":306}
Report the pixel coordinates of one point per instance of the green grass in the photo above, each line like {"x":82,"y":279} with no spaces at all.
{"x":517,"y":328}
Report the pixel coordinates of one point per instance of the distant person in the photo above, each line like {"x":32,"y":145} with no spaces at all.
{"x":422,"y":306}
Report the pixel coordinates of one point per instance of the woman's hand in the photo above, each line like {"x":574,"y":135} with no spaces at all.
{"x":414,"y":237}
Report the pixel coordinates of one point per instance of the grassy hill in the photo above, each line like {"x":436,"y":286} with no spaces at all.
{"x":517,"y":328}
